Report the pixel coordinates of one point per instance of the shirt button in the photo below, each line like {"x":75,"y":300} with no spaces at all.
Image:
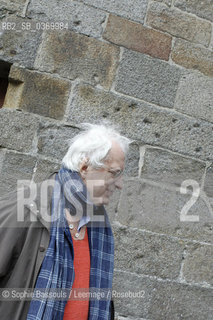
{"x":41,"y":248}
{"x":71,"y":226}
{"x":77,"y":235}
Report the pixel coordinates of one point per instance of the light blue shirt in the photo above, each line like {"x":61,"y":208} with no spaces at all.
{"x":84,"y":220}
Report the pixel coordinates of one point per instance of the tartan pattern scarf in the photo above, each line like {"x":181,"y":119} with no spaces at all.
{"x":57,"y":270}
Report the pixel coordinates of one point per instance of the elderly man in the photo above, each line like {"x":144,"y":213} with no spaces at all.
{"x":75,"y":249}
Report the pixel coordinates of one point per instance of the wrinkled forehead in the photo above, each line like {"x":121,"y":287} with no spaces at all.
{"x":116,"y":157}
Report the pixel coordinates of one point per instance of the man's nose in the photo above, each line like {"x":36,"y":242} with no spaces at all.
{"x":119,"y":183}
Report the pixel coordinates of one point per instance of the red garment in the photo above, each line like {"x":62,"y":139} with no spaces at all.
{"x":77,"y":309}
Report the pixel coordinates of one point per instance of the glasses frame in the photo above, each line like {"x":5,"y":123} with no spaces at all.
{"x":115,"y":173}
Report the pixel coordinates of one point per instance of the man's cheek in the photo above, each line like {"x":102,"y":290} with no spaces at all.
{"x":99,"y":191}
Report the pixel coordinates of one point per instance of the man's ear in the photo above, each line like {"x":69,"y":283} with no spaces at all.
{"x":83,"y":168}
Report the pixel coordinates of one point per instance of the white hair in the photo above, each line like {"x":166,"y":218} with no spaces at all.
{"x":94,"y":144}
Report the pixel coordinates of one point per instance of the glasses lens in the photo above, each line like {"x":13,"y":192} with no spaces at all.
{"x":117,"y":173}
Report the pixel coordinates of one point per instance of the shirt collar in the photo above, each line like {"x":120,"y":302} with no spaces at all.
{"x":84,"y":220}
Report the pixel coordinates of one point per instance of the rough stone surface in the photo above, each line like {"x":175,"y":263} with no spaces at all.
{"x":167,"y":2}
{"x":162,"y":299}
{"x":178,"y":301}
{"x":112,"y":207}
{"x":3,"y":13}
{"x":12,"y":5}
{"x":2,"y":155}
{"x":17,"y":130}
{"x":136,"y":37}
{"x":149,"y":79}
{"x":132,"y":160}
{"x":195,"y":96}
{"x":19,"y":45}
{"x":154,"y":208}
{"x":129,"y":283}
{"x":198,"y":264}
{"x":179,"y":24}
{"x":16,"y":166}
{"x":211,"y":42}
{"x":44,"y":168}
{"x":208,"y":186}
{"x":170,"y":168}
{"x":131,"y":9}
{"x":192,"y":56}
{"x":80,"y":17}
{"x":53,"y":139}
{"x":85,"y":58}
{"x":143,"y":122}
{"x":202,"y":9}
{"x":148,"y":254}
{"x":37,"y":93}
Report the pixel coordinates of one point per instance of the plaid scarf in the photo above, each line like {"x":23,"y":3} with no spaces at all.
{"x":57,"y":271}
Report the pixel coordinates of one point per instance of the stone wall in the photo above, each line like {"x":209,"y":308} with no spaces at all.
{"x":146,"y":66}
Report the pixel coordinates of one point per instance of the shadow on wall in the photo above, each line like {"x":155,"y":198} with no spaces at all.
{"x":4,"y":72}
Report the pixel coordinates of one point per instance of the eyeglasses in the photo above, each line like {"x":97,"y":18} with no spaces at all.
{"x":115,"y":173}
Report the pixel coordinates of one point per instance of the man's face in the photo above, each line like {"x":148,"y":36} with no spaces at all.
{"x":102,"y":182}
